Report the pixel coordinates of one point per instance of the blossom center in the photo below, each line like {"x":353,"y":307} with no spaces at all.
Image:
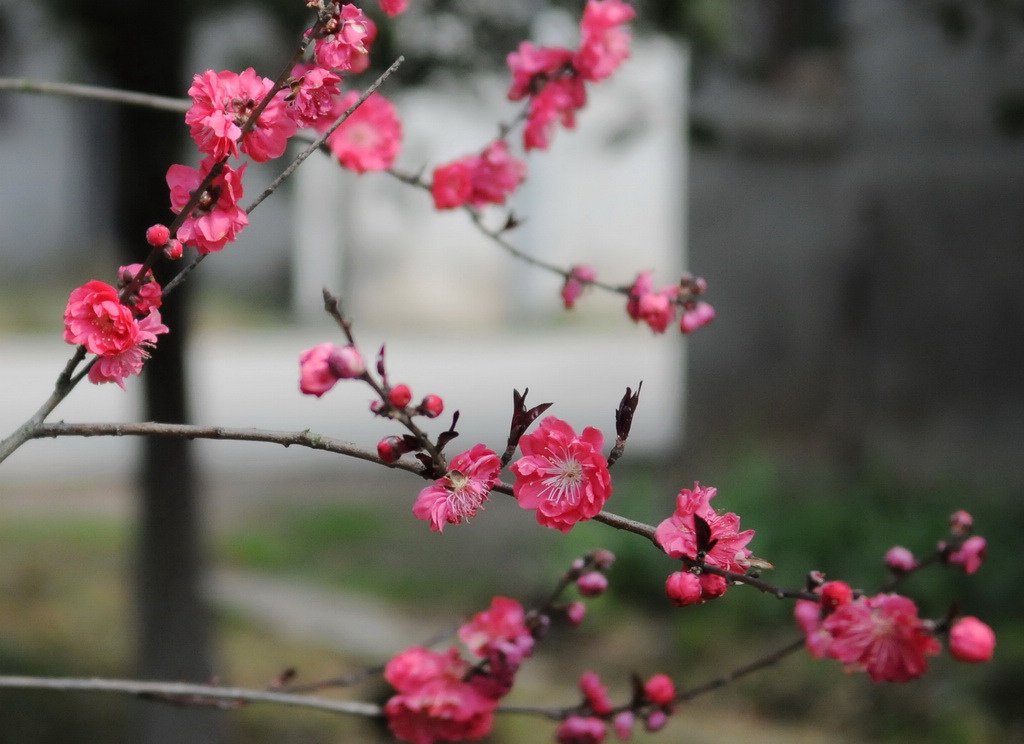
{"x":564,"y":480}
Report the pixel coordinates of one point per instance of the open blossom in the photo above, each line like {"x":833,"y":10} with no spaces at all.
{"x":457,"y":496}
{"x":116,"y":367}
{"x":677,"y":537}
{"x":217,"y":219}
{"x":604,"y":43}
{"x":533,"y":66}
{"x":433,"y":702}
{"x":881,"y":635}
{"x":556,"y":103}
{"x":95,"y":318}
{"x":347,"y":46}
{"x":369,"y":139}
{"x":313,"y":91}
{"x":487,"y":178}
{"x":595,"y":693}
{"x":697,"y":316}
{"x":970,"y":555}
{"x":656,"y":309}
{"x":221,"y":104}
{"x":579,"y":277}
{"x":499,"y":635}
{"x":562,"y":475}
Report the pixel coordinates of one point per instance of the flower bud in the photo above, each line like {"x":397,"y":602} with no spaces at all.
{"x":623,"y":724}
{"x":660,"y":690}
{"x":683,"y":588}
{"x":971,"y":640}
{"x":158,"y":235}
{"x":970,"y":555}
{"x":712,"y":586}
{"x":173,"y":250}
{"x":389,"y":449}
{"x":400,"y":396}
{"x":835,"y":594}
{"x":603,"y":559}
{"x":700,"y":315}
{"x":656,"y":721}
{"x":900,"y":559}
{"x":961,"y":523}
{"x":432,"y":406}
{"x":579,"y":730}
{"x":575,"y":613}
{"x":315,"y":375}
{"x":592,"y":584}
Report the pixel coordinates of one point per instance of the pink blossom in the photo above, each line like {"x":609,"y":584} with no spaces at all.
{"x":660,"y":690}
{"x":579,"y":730}
{"x":657,"y":309}
{"x":562,"y":475}
{"x":683,"y":588}
{"x":604,"y":44}
{"x":313,"y":91}
{"x":457,"y":496}
{"x":95,"y":318}
{"x":970,"y":555}
{"x":433,"y":702}
{"x":971,"y":640}
{"x":116,"y":367}
{"x":575,"y":613}
{"x":656,"y":720}
{"x":452,"y":183}
{"x":502,"y":626}
{"x":533,"y":66}
{"x":148,"y":295}
{"x":217,"y":219}
{"x":394,"y":7}
{"x":900,"y":559}
{"x":315,"y":374}
{"x":487,"y":178}
{"x":961,"y":522}
{"x":623,"y":724}
{"x":882,"y":635}
{"x":431,"y":406}
{"x":696,"y":317}
{"x":347,"y":43}
{"x":221,"y":104}
{"x":595,"y":693}
{"x":578,"y":278}
{"x":808,"y":616}
{"x":556,"y":103}
{"x":369,"y":139}
{"x":677,"y":537}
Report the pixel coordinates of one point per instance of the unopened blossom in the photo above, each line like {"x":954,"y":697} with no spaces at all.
{"x":580,"y":730}
{"x":595,"y":693}
{"x":433,"y":701}
{"x":677,"y":537}
{"x":394,"y":7}
{"x":371,"y":138}
{"x":347,"y":45}
{"x":315,"y":374}
{"x":660,"y":690}
{"x":561,"y":475}
{"x":400,"y":396}
{"x":656,"y":720}
{"x":158,"y":235}
{"x":971,"y":640}
{"x":578,"y":278}
{"x":900,"y":559}
{"x":95,"y":318}
{"x":148,"y":294}
{"x":882,"y":635}
{"x":431,"y":406}
{"x":312,"y":96}
{"x":592,"y":584}
{"x":217,"y":219}
{"x":683,"y":588}
{"x":463,"y":489}
{"x":961,"y":522}
{"x":604,"y":44}
{"x":696,"y":317}
{"x":623,"y":724}
{"x":116,"y":367}
{"x":575,"y":613}
{"x":970,"y":555}
{"x":223,"y":101}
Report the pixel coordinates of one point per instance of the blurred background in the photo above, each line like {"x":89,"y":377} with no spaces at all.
{"x":848,"y":178}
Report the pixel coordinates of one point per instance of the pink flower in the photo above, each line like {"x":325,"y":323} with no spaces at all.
{"x":315,"y":374}
{"x":434,"y":703}
{"x":347,"y":42}
{"x":533,"y":66}
{"x":312,"y":94}
{"x":478,"y":180}
{"x":604,"y":44}
{"x":369,"y":139}
{"x":501,"y":626}
{"x":556,"y":103}
{"x":116,"y":367}
{"x":657,"y":309}
{"x":677,"y":537}
{"x":683,"y":588}
{"x":217,"y":219}
{"x":579,"y":730}
{"x":575,"y":613}
{"x":394,"y":7}
{"x":900,"y":559}
{"x":882,"y":635}
{"x":696,"y":317}
{"x":595,"y":693}
{"x":564,"y":477}
{"x":971,"y":640}
{"x":970,"y":555}
{"x":95,"y":318}
{"x":660,"y":690}
{"x":579,"y":277}
{"x":221,"y":104}
{"x":462,"y":490}
{"x":808,"y":616}
{"x":592,"y":584}
{"x":148,"y":296}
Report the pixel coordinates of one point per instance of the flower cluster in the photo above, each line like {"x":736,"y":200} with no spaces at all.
{"x":553,"y":78}
{"x":487,"y":178}
{"x":323,"y":365}
{"x":96,"y":318}
{"x":702,"y":536}
{"x":443,"y":697}
{"x":561,"y":475}
{"x":653,"y":701}
{"x":658,"y":308}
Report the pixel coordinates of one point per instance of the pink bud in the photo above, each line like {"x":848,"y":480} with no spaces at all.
{"x":158,"y":235}
{"x":595,"y":693}
{"x":712,"y":586}
{"x":315,"y":375}
{"x":346,"y":362}
{"x":432,"y":406}
{"x":656,"y":721}
{"x":900,"y":559}
{"x":575,"y":613}
{"x":603,"y":559}
{"x":592,"y":584}
{"x":173,"y":250}
{"x":971,"y":640}
{"x":579,"y":730}
{"x":623,"y":724}
{"x":701,"y":314}
{"x":389,"y":449}
{"x":961,"y":522}
{"x":835,"y":593}
{"x":660,"y":690}
{"x":400,"y":396}
{"x":683,"y":588}
{"x":970,"y":555}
